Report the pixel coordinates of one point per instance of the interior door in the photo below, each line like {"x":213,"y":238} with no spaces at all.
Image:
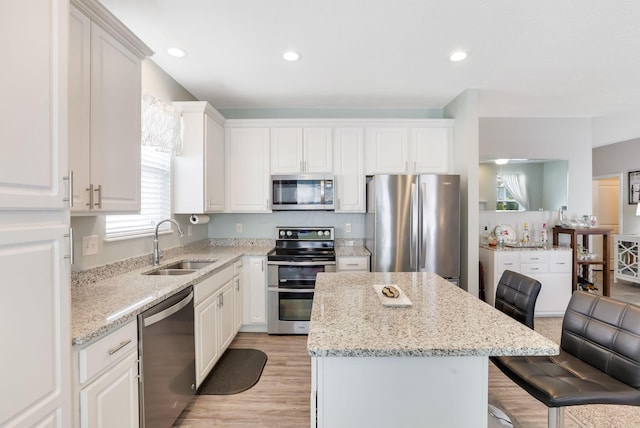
{"x":606,"y":207}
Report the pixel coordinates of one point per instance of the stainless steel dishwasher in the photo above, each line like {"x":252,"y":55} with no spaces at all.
{"x":167,"y":360}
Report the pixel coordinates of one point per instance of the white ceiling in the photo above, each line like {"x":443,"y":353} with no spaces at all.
{"x":543,"y":58}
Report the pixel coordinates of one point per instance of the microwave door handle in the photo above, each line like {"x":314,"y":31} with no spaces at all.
{"x":322,"y":192}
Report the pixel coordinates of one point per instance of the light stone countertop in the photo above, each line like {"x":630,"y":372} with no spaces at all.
{"x":104,"y":305}
{"x":355,"y":251}
{"x":348,"y":320}
{"x":527,"y":248}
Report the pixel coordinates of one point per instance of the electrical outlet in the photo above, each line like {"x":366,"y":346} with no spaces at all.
{"x":347,"y":228}
{"x":89,"y":245}
{"x":239,"y":228}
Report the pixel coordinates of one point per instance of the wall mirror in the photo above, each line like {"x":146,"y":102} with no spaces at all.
{"x":512,"y":185}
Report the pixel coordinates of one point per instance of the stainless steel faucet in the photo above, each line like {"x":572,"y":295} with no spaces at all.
{"x":156,"y":248}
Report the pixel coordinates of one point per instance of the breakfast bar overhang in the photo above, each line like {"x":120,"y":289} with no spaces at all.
{"x":421,"y":365}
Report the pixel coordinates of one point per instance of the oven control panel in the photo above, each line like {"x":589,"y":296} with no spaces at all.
{"x":305,"y":233}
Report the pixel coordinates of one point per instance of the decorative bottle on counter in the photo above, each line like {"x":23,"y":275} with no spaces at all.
{"x":544,"y":237}
{"x":525,"y":233}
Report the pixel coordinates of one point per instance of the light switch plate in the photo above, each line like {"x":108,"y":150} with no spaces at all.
{"x":89,"y":245}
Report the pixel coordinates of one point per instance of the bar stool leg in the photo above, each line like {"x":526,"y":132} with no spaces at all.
{"x":556,"y":417}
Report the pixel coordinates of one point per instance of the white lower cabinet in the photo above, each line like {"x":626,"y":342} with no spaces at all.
{"x":255,"y":295}
{"x":626,"y":265}
{"x":214,"y":320}
{"x":238,"y":286}
{"x":552,"y":268}
{"x":107,"y":378}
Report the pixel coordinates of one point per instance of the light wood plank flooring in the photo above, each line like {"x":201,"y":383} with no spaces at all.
{"x":279,"y":399}
{"x":281,"y":396}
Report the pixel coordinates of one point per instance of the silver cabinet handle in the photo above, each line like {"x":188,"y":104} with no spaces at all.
{"x":70,"y":236}
{"x":90,"y":190}
{"x":119,"y":347}
{"x":99,"y":190}
{"x":69,"y":179}
{"x":238,"y":284}
{"x":262,"y":265}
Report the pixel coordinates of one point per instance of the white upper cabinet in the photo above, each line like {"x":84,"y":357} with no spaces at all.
{"x":104,"y":111}
{"x":198,"y":173}
{"x":248,"y":177}
{"x":298,"y":150}
{"x":33,"y":131}
{"x":349,"y":169}
{"x":417,"y":148}
{"x":387,"y":151}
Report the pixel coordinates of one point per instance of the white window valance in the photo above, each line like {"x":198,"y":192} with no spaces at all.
{"x":161,"y":127}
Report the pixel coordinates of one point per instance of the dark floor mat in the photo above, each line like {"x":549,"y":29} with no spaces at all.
{"x":237,"y":371}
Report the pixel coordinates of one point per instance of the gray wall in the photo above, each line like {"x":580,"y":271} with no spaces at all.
{"x":615,"y":159}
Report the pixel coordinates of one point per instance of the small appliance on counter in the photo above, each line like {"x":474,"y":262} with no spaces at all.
{"x":299,"y":255}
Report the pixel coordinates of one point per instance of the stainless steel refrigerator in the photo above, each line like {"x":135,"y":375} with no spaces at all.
{"x":413,"y":224}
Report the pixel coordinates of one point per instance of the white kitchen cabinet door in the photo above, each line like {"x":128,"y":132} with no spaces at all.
{"x":198,"y":173}
{"x":349,"y":169}
{"x":111,"y":401}
{"x":206,"y":336}
{"x":386,"y":151}
{"x":301,"y":150}
{"x":238,"y":285}
{"x":115,"y":124}
{"x":255,"y":296}
{"x":248,"y":177}
{"x":286,"y":150}
{"x":36,"y":320}
{"x":226,"y":317}
{"x":33,"y":129}
{"x":80,"y":108}
{"x":318,"y":148}
{"x":430,"y":150}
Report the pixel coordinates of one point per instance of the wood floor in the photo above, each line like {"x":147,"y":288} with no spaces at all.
{"x":279,"y":399}
{"x":281,"y":396}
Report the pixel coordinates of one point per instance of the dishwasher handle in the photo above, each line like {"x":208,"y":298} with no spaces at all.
{"x":166,"y":313}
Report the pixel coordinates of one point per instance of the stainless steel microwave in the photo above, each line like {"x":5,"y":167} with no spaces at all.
{"x":305,"y":192}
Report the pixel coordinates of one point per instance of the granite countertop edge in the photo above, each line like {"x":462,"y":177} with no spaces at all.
{"x":103,"y":306}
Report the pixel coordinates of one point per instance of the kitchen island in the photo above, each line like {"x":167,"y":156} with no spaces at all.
{"x":422,"y":365}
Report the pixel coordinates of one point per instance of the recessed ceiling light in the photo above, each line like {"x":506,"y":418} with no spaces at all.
{"x":291,"y":56}
{"x":458,"y":56}
{"x":177,"y":52}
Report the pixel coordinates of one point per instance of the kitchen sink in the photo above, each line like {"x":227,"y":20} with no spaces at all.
{"x":170,"y":272}
{"x":190,"y":264}
{"x":183,"y":267}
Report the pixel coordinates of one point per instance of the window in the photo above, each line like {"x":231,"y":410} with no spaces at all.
{"x":160,"y":139}
{"x":155,"y":188}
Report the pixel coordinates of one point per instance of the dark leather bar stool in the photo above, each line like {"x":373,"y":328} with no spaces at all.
{"x":516,"y":296}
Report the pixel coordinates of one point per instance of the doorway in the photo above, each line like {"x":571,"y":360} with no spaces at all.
{"x":606,"y":199}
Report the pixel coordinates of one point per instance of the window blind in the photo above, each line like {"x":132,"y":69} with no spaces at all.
{"x":155,"y":188}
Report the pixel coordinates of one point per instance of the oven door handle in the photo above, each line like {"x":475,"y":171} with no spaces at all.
{"x":290,"y":290}
{"x":318,"y":263}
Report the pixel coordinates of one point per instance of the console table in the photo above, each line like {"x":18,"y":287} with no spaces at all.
{"x":580,"y":266}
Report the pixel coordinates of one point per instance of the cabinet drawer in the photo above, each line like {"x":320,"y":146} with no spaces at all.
{"x":560,"y":262}
{"x":99,"y":355}
{"x":534,"y":257}
{"x":353,"y":263}
{"x":210,"y":285}
{"x":532,"y":268}
{"x":507,"y":262}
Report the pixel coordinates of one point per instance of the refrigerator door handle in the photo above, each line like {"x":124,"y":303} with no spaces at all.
{"x":413,"y":247}
{"x":423,"y":236}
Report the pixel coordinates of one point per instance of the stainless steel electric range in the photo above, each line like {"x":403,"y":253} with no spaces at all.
{"x":299,"y":255}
